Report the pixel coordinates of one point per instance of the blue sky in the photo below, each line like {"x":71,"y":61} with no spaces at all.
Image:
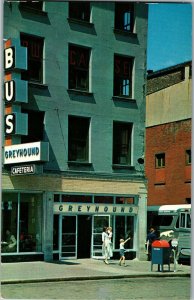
{"x":169,"y":35}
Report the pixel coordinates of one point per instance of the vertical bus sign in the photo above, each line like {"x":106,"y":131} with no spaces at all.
{"x":15,"y":90}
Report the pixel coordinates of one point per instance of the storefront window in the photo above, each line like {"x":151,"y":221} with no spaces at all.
{"x":9,"y":218}
{"x":21,"y":223}
{"x":103,"y":199}
{"x":30,"y":223}
{"x":124,"y":228}
{"x":56,"y":197}
{"x":56,"y":233}
{"x":99,"y":222}
{"x":125,"y":200}
{"x":77,"y":198}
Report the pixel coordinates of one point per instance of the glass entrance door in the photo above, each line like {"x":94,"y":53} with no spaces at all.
{"x":98,"y":223}
{"x":68,"y":237}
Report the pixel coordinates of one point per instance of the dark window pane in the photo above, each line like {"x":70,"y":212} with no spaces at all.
{"x":123,"y":76}
{"x":79,"y":68}
{"x":122,"y":143}
{"x":188,"y":157}
{"x":160,"y":160}
{"x":30,"y":223}
{"x":125,"y":200}
{"x":103,"y":199}
{"x":9,"y":221}
{"x":35,"y":126}
{"x":56,"y":197}
{"x":56,"y":233}
{"x":37,"y":5}
{"x":77,"y":198}
{"x":124,"y":16}
{"x":78,"y":139}
{"x":79,"y":10}
{"x":35,"y":58}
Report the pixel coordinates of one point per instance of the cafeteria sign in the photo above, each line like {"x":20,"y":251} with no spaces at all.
{"x":23,"y":170}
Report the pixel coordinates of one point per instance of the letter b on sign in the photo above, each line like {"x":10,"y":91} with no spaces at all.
{"x":9,"y":58}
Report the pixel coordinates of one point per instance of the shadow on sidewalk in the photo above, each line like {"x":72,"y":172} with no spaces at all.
{"x":63,"y":262}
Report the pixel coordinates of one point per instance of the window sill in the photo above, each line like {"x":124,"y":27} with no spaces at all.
{"x":160,"y":168}
{"x":123,"y":98}
{"x":79,"y":164}
{"x":123,"y":167}
{"x":188,"y":181}
{"x":37,"y":85}
{"x":80,"y":22}
{"x":33,"y":10}
{"x":79,"y":92}
{"x":125,"y":32}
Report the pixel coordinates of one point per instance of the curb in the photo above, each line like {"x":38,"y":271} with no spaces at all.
{"x":57,"y":279}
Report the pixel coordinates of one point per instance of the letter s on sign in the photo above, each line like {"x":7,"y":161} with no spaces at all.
{"x":10,"y":124}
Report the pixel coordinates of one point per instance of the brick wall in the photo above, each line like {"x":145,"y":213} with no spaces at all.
{"x":54,"y":183}
{"x":172,"y":184}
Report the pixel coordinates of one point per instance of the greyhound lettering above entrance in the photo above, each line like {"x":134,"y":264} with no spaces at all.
{"x":81,"y":208}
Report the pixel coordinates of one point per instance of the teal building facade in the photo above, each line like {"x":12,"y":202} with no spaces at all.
{"x":74,"y":134}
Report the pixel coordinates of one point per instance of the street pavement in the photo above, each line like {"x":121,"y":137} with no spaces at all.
{"x":84,"y":269}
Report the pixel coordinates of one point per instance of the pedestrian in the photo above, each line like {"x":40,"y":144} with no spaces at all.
{"x":10,"y":242}
{"x":105,"y":245}
{"x":110,"y":245}
{"x":122,"y":250}
{"x":151,"y":237}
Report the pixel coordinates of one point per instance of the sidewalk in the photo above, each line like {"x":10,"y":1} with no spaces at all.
{"x":83,"y":269}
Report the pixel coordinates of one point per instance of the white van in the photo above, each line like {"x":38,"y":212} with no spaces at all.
{"x":174,"y":222}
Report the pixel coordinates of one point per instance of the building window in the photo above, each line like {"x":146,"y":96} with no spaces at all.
{"x":21,"y":222}
{"x":35,"y":58}
{"x":124,"y":227}
{"x":56,"y":232}
{"x":160,"y":160}
{"x":188,"y":200}
{"x":190,"y":71}
{"x":122,"y":134}
{"x":188,"y":157}
{"x":125,"y":200}
{"x":78,"y":139}
{"x":76,"y":198}
{"x":35,"y":126}
{"x":79,"y":68}
{"x":103,"y":199}
{"x":34,"y":5}
{"x":123,"y":76}
{"x":56,"y":197}
{"x":79,"y":10}
{"x":124,"y":16}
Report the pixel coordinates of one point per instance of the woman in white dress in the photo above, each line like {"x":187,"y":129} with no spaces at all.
{"x":105,"y":245}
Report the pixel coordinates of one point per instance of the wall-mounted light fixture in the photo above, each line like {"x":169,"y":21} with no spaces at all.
{"x":141,"y":160}
{"x":9,"y":205}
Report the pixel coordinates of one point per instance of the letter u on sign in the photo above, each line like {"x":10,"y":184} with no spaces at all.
{"x":9,"y":91}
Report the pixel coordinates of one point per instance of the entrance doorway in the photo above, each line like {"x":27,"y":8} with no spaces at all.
{"x":81,"y":235}
{"x":84,"y":236}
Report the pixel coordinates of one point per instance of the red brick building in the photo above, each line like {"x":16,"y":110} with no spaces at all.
{"x":168,"y":168}
{"x":168,"y":136}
